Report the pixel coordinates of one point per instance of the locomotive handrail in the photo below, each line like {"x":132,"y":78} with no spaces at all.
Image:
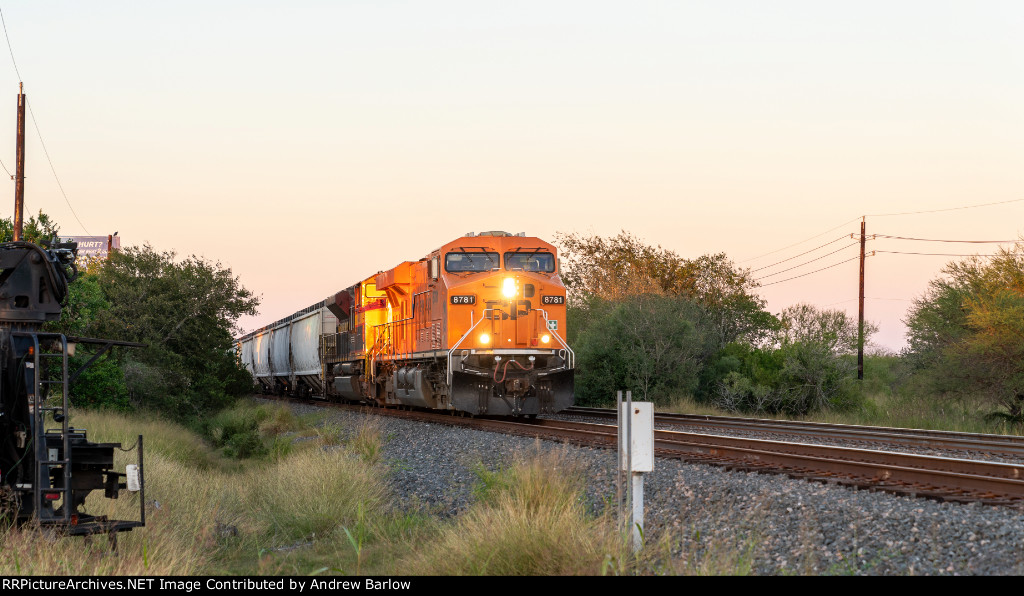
{"x":572,"y":355}
{"x":402,"y":326}
{"x":455,"y":347}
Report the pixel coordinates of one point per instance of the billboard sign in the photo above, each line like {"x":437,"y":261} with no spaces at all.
{"x":93,"y":247}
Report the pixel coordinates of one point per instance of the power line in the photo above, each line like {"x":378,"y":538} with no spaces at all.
{"x":806,"y":262}
{"x":811,"y":272}
{"x":799,"y":255}
{"x":866,"y":298}
{"x":54,"y":170}
{"x":932,"y":254}
{"x":8,"y":37}
{"x":40,"y":134}
{"x":840,"y":302}
{"x":801,"y":242}
{"x":947,"y":209}
{"x":934,"y":240}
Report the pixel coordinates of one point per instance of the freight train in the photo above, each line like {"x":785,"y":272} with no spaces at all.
{"x":475,"y":326}
{"x":48,"y":468}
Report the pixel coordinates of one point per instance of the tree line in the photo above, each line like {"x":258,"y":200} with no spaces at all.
{"x":184,"y":309}
{"x":645,"y":319}
{"x":641,"y":318}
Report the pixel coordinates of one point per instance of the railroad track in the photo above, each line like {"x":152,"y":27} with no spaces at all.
{"x":940,"y":478}
{"x":980,"y":444}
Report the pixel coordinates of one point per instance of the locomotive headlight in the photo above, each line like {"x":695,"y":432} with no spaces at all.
{"x":509,"y":288}
{"x":484,"y":338}
{"x":545,"y":338}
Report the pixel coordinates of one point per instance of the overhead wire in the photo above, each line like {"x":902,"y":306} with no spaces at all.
{"x":811,"y":272}
{"x":867,"y":298}
{"x":946,"y":209}
{"x":801,"y":242}
{"x":8,"y":38}
{"x":13,"y":61}
{"x":944,"y":240}
{"x":35,"y":123}
{"x":799,"y":255}
{"x":54,"y":170}
{"x":931,"y":254}
{"x":806,"y":262}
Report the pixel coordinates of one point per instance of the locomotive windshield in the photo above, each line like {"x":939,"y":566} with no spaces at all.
{"x":458,"y":262}
{"x":530,"y":261}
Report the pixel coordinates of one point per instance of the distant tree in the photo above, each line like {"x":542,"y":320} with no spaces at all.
{"x":966,"y":332}
{"x":650,"y":344}
{"x":612,"y":269}
{"x":38,"y":229}
{"x":807,"y":365}
{"x":186,"y":311}
{"x":643,"y":318}
{"x":833,"y":330}
{"x":102,"y":384}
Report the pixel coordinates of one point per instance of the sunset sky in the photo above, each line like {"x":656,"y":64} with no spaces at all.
{"x":306,"y":145}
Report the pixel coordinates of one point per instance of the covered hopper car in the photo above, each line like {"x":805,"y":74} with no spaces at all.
{"x":476,"y":326}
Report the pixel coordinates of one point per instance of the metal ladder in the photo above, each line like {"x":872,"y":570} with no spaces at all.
{"x":44,"y":461}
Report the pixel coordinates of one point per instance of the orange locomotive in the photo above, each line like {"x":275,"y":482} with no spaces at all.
{"x":477,"y":326}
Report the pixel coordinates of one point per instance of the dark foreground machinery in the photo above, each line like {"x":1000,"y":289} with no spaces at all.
{"x":47,"y":469}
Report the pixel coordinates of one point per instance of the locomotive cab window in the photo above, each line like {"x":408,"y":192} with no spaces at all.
{"x":459,"y":262}
{"x":530,"y":261}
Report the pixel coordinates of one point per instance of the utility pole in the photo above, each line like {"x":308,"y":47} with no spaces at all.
{"x":19,"y":176}
{"x":860,"y":324}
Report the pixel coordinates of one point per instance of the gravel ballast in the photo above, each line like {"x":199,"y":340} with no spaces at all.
{"x":771,"y":523}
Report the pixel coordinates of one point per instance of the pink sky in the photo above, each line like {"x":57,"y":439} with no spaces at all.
{"x":306,"y":145}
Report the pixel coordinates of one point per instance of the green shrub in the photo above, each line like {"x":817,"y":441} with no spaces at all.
{"x":101,"y":385}
{"x":238,"y":430}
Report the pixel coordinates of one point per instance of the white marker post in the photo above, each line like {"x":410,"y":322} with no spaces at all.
{"x":636,"y":456}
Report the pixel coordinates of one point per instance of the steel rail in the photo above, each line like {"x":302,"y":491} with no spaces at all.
{"x":923,"y":438}
{"x":942,"y":478}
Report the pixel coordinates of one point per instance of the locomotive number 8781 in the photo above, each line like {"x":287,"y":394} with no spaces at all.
{"x":477,"y":325}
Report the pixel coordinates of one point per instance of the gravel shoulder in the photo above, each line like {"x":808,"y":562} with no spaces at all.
{"x":774,"y":524}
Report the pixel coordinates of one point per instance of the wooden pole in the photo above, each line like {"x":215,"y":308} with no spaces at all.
{"x":19,"y":176}
{"x":860,"y":324}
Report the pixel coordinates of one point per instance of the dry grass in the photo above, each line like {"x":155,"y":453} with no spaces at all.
{"x":312,"y":493}
{"x":367,"y":440}
{"x":323,"y":507}
{"x":208,"y":515}
{"x":531,"y":523}
{"x":183,"y":510}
